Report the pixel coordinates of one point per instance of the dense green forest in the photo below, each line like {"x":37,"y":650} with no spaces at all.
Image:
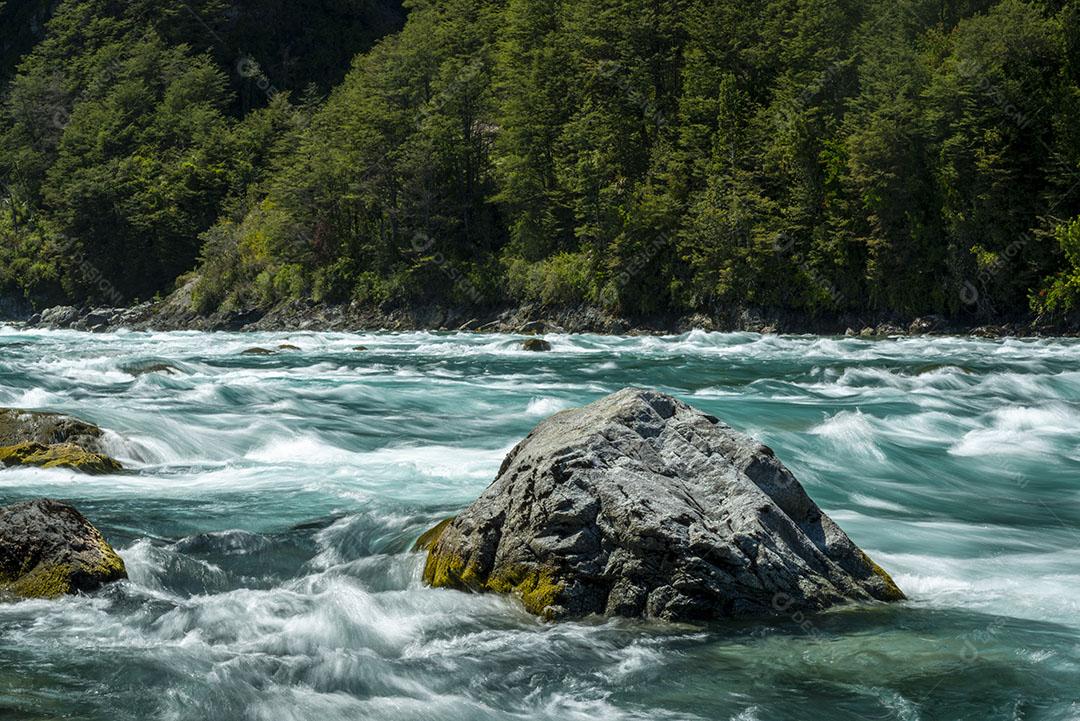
{"x":820,"y":156}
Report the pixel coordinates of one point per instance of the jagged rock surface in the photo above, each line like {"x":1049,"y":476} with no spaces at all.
{"x":641,"y":506}
{"x":49,"y":549}
{"x":18,"y":426}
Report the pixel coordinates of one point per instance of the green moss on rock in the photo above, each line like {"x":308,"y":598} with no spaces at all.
{"x":48,"y":549}
{"x":430,"y":538}
{"x":536,"y":587}
{"x":892,"y":591}
{"x":45,"y":581}
{"x":58,"y":455}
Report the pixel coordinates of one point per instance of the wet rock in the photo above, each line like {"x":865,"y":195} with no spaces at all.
{"x":536,"y":345}
{"x":886,"y":330}
{"x":534,"y":327}
{"x":989,"y":331}
{"x":96,"y":320}
{"x":699,"y":321}
{"x":18,"y":426}
{"x":641,"y":506}
{"x":61,"y":316}
{"x":145,"y":368}
{"x":58,"y":455}
{"x":49,"y":549}
{"x":51,"y":440}
{"x":927,"y":324}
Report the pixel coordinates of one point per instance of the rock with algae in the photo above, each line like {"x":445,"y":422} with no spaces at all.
{"x":58,"y":455}
{"x":641,"y":506}
{"x":51,"y":440}
{"x":18,"y":426}
{"x":49,"y":549}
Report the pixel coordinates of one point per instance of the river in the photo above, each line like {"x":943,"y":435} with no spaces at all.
{"x":270,"y":504}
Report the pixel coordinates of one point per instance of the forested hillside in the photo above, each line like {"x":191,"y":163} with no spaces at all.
{"x":821,"y":156}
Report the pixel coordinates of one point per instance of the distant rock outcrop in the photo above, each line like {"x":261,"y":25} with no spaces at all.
{"x":639,"y":505}
{"x":49,"y":549}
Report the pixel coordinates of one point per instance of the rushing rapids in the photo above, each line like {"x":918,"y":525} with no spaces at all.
{"x":269,"y":504}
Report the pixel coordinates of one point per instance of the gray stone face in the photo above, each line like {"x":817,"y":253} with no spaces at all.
{"x":639,"y":505}
{"x":18,"y":426}
{"x":61,"y":316}
{"x":48,"y":549}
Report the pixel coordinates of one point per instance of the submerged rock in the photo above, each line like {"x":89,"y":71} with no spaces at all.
{"x":49,"y":549}
{"x":537,"y":345}
{"x":51,"y":440}
{"x":142,"y":368}
{"x":639,"y":505}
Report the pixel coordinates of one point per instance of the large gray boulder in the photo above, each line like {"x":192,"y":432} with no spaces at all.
{"x":49,"y":549}
{"x":639,"y":505}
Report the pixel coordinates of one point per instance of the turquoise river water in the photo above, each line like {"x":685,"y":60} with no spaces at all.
{"x":270,"y":503}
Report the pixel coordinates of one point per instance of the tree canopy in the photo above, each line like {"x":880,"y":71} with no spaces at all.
{"x":823,"y":156}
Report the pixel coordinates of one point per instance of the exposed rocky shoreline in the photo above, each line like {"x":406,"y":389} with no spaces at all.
{"x":171,"y":315}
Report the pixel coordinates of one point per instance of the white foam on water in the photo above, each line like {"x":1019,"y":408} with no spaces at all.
{"x":1022,"y":430}
{"x":383,"y":443}
{"x":853,"y":433}
{"x":35,"y":399}
{"x":544,"y":407}
{"x":302,"y":449}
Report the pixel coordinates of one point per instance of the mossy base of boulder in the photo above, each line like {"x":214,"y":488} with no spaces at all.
{"x":42,"y":582}
{"x":58,"y":455}
{"x":891,"y":589}
{"x":429,"y":537}
{"x":536,"y":587}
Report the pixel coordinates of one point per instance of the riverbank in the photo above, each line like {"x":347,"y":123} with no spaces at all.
{"x":175,"y":313}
